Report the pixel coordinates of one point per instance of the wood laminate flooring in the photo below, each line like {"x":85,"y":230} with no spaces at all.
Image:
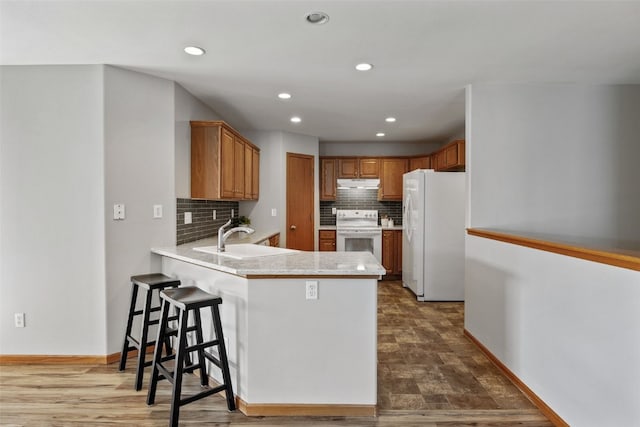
{"x":429,"y":375}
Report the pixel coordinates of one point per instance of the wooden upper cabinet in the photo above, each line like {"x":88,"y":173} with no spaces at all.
{"x":328,"y":179}
{"x":451,"y":157}
{"x":255,"y":175}
{"x":369,"y":168}
{"x":348,"y":168}
{"x":222,"y":163}
{"x":356,"y":167}
{"x":248,"y":172}
{"x":391,"y":171}
{"x":422,"y":162}
{"x":227,"y":174}
{"x":238,"y":168}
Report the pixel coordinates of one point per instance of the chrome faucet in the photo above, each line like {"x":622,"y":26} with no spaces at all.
{"x":223,"y":235}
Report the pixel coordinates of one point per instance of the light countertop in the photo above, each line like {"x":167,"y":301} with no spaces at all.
{"x":299,"y":263}
{"x":333,"y":227}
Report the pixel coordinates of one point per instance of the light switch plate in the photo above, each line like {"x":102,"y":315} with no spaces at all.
{"x":157,"y":211}
{"x":187,"y":218}
{"x":334,"y":211}
{"x":273,"y":212}
{"x":118,"y":211}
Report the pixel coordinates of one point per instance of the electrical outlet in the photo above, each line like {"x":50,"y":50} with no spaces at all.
{"x":157,"y":211}
{"x":233,"y":213}
{"x":215,"y":214}
{"x":18,"y":318}
{"x":334,"y":211}
{"x":187,"y":218}
{"x":312,"y":289}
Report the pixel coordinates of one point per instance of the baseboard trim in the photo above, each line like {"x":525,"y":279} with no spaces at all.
{"x":45,"y":359}
{"x":540,"y":404}
{"x":49,"y":359}
{"x":294,"y":409}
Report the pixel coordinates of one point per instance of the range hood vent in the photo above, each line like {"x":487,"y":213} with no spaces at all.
{"x":358,"y":183}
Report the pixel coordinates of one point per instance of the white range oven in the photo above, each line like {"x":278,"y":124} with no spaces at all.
{"x":358,"y":230}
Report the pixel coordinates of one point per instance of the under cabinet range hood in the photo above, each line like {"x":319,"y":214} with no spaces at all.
{"x":358,"y":183}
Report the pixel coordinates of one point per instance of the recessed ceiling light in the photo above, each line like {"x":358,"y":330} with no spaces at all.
{"x":390,"y":119}
{"x":364,"y":67}
{"x":380,"y":134}
{"x":194,"y":50}
{"x":295,"y":119}
{"x":284,"y":95}
{"x":317,"y":18}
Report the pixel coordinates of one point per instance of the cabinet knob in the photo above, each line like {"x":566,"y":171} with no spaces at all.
{"x":293,"y":227}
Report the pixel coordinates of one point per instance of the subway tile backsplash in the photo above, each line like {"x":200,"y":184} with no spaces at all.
{"x":203,"y":225}
{"x":359,"y":198}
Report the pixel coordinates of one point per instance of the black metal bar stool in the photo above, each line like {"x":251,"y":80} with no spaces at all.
{"x":149,"y":283}
{"x":189,"y":299}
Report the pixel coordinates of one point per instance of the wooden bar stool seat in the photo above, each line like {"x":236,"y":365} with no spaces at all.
{"x":152,"y":284}
{"x":186,"y":300}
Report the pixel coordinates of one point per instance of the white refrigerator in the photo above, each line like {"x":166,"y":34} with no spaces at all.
{"x":433,"y":234}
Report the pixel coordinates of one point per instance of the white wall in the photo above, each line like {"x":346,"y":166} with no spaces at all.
{"x":274,"y":147}
{"x":139,"y":170}
{"x":271,"y":195}
{"x":568,"y":328}
{"x":377,"y":148}
{"x":52,"y":210}
{"x":557,"y":159}
{"x":187,"y":108}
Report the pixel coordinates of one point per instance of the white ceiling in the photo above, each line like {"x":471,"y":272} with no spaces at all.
{"x":424,"y":54}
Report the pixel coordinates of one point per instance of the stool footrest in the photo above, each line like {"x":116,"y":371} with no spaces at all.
{"x":213,"y":359}
{"x":203,"y":345}
{"x":202,"y":394}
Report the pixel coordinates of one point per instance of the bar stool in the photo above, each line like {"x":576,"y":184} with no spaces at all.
{"x":149,"y":283}
{"x":184,"y":300}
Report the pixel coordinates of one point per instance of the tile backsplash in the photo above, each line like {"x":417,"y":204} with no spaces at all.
{"x":359,"y":198}
{"x":202,"y":225}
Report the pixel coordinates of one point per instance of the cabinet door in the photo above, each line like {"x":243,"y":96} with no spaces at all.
{"x":255,"y":175}
{"x":328,"y":179}
{"x":238,"y":168}
{"x":419,"y":163}
{"x":227,"y":164}
{"x":348,"y":168}
{"x":248,"y":172}
{"x":327,"y":240}
{"x":368,"y":168}
{"x":451,"y":156}
{"x":391,"y":171}
{"x":388,"y":251}
{"x":398,"y":251}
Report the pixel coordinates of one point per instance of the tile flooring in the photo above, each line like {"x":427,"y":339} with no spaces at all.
{"x":425,"y":362}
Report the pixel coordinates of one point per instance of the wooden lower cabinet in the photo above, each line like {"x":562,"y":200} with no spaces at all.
{"x":275,"y":240}
{"x":392,"y":252}
{"x":327,"y":240}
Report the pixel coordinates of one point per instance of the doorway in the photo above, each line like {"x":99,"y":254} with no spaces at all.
{"x":300,"y":202}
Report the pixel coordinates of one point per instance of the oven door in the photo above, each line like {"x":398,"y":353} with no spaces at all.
{"x":360,"y":241}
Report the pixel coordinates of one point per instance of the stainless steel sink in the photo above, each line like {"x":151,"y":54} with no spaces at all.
{"x":245,"y":251}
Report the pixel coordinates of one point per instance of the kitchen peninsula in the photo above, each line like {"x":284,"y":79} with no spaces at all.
{"x":288,"y":354}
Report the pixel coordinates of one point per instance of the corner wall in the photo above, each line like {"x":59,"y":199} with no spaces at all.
{"x":139,"y":170}
{"x":557,"y":159}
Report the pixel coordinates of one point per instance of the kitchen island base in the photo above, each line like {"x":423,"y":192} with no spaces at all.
{"x":290,"y":355}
